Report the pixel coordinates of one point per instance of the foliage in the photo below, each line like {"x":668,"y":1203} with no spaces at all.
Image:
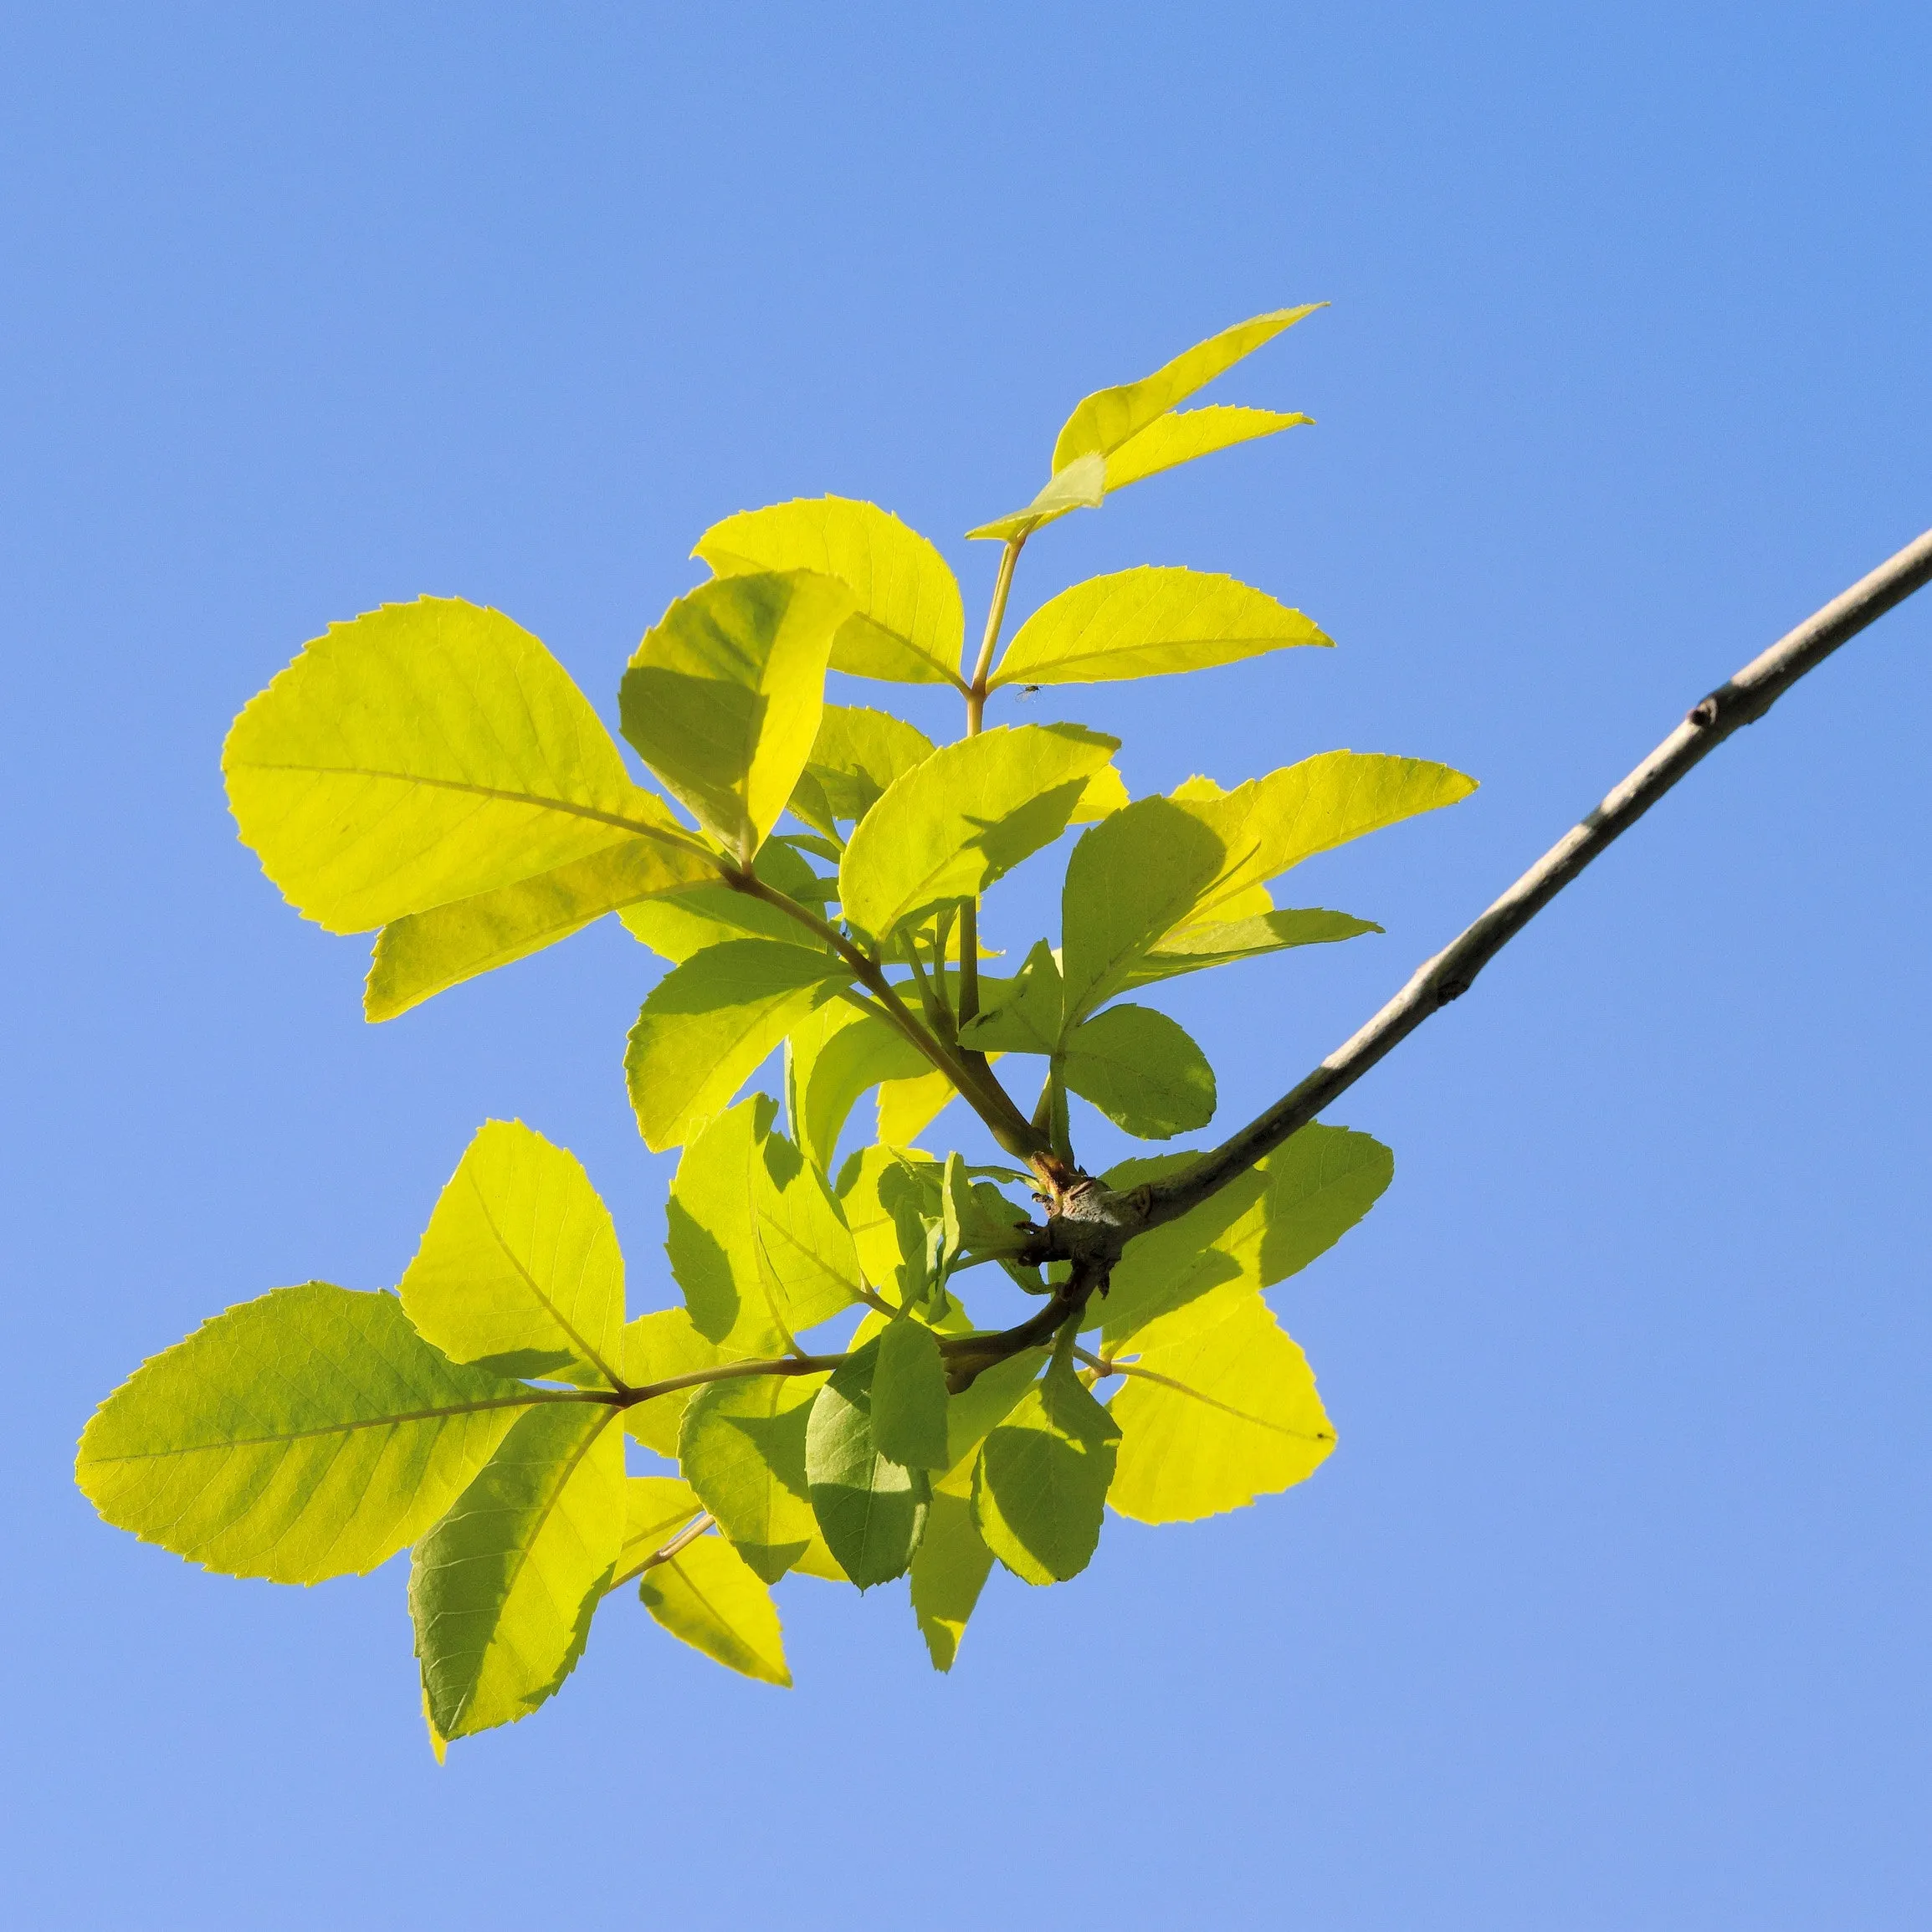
{"x":430,"y":772}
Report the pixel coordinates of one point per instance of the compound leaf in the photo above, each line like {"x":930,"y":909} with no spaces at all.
{"x":1147,"y":623}
{"x":743,"y":1451}
{"x":422,"y":754}
{"x":1040,"y":1485}
{"x":1214,"y":1417}
{"x":310,"y":1434}
{"x":520,"y":1270}
{"x":949,"y":827}
{"x":1142,"y":1071}
{"x":706,"y":1026}
{"x":708,"y":1596}
{"x":909,"y":625}
{"x":871,"y":1510}
{"x":722,"y":697}
{"x":503,"y":1589}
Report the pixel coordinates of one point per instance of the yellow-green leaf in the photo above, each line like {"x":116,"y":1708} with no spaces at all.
{"x":1181,"y":435}
{"x":949,"y":1568}
{"x":656,"y":1508}
{"x":833,"y":1057}
{"x":311,"y":1433}
{"x":909,"y":625}
{"x":722,"y":697}
{"x":503,"y":1589}
{"x":1082,"y":484}
{"x":1147,"y":623}
{"x":708,"y":1597}
{"x":965,"y":816}
{"x":706,"y":1026}
{"x":657,"y":1347}
{"x":1142,"y":1071}
{"x":1214,"y":1418}
{"x":1190,"y":949}
{"x":1103,"y":421}
{"x":856,"y":754}
{"x":422,"y":754}
{"x":743,"y":1451}
{"x":1027,"y":1019}
{"x":908,"y":1106}
{"x":908,"y":1396}
{"x":1040,"y":1485}
{"x":520,"y":1270}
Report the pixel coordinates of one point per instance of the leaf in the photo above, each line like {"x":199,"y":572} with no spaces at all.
{"x":743,"y":1451}
{"x":1082,"y":484}
{"x":1145,"y":623}
{"x":656,"y":1508}
{"x":1220,"y":942}
{"x":757,"y":1243}
{"x":1181,"y":435}
{"x":657,"y":1347}
{"x":992,"y":1396}
{"x":708,"y":1597}
{"x":520,"y":1270}
{"x":832,"y":1057}
{"x":428,"y":952}
{"x":864,"y":1185}
{"x":908,"y":1107}
{"x":679,"y":924}
{"x":706,"y":1026}
{"x":1106,"y":793}
{"x":871,"y":1510}
{"x":1103,"y":421}
{"x":1265,"y":1226}
{"x":311,"y":1433}
{"x":422,"y":754}
{"x":503,"y":1589}
{"x":1028,"y":1019}
{"x":963,"y":818}
{"x":949,"y":1568}
{"x":1040,"y":1485}
{"x":722,"y":697}
{"x":1142,"y":1071}
{"x":908,"y":626}
{"x":857,"y":754}
{"x":1234,"y":1415}
{"x":908,"y":1396}
{"x":1190,"y":858}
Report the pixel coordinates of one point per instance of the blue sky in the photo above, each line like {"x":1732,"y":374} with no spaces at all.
{"x":1610,"y":1609}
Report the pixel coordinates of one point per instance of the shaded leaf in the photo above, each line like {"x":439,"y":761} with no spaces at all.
{"x":743,"y":1451}
{"x":1142,"y":1071}
{"x":708,"y":1597}
{"x":871,"y":1510}
{"x":1082,"y":484}
{"x":1040,"y":1485}
{"x":311,"y":1433}
{"x":1027,"y":1020}
{"x":1190,"y":949}
{"x":908,"y":1396}
{"x":856,"y":755}
{"x":833,"y":1057}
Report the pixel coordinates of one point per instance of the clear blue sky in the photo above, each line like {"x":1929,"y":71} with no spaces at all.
{"x":1611,"y":1610}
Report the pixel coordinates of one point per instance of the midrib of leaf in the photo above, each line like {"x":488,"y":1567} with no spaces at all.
{"x":550,"y":1308}
{"x":1120,"y":1368}
{"x":535,"y":1397}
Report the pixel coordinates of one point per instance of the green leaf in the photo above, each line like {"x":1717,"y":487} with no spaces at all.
{"x":1190,"y":949}
{"x":948,"y":828}
{"x":503,"y":1589}
{"x":722,"y":698}
{"x":1040,"y":1485}
{"x":707,"y":1025}
{"x":909,"y":625}
{"x":685,"y":922}
{"x":908,"y":1397}
{"x":871,"y":1510}
{"x":1028,"y":1019}
{"x":1105,"y":421}
{"x":833,"y":1057}
{"x":1215,"y":1416}
{"x":949,"y":1568}
{"x":422,"y":754}
{"x":871,"y":1190}
{"x":977,"y":1410}
{"x":1182,"y":434}
{"x":743,"y":1451}
{"x":757,"y":1242}
{"x":428,"y":952}
{"x":1081,"y":485}
{"x":520,"y":1270}
{"x":857,"y":754}
{"x":708,"y":1596}
{"x":310,"y":1434}
{"x":1197,"y":855}
{"x":1142,"y":1071}
{"x":1145,"y":623}
{"x":657,"y":1347}
{"x":1266,"y":1225}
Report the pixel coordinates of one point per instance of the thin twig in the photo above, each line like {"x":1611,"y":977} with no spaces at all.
{"x":1449,"y":975}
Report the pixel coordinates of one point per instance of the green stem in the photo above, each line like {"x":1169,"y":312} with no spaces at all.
{"x":969,"y":917}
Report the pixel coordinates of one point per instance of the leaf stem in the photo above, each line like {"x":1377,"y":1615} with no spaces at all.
{"x":969,"y":917}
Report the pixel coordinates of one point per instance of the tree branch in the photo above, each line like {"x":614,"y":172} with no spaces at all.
{"x":1450,"y":973}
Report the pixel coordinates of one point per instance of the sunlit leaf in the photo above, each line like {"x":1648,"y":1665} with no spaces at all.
{"x":722,"y":697}
{"x":909,"y":625}
{"x":961,"y":819}
{"x":1189,"y":949}
{"x":949,"y":1568}
{"x":706,"y":1026}
{"x":1142,"y":1071}
{"x":1147,"y":623}
{"x":1040,"y":1484}
{"x":310,"y":1434}
{"x":520,"y":1270}
{"x":1027,"y":1019}
{"x":743,"y":1451}
{"x":503,"y":1589}
{"x":1181,"y":435}
{"x":422,"y":754}
{"x":833,"y":1057}
{"x":657,"y":1347}
{"x":656,"y":1509}
{"x":1233,"y":1415}
{"x":708,"y":1596}
{"x":1082,"y":484}
{"x":856,"y":754}
{"x":871,"y":1510}
{"x":681,"y":923}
